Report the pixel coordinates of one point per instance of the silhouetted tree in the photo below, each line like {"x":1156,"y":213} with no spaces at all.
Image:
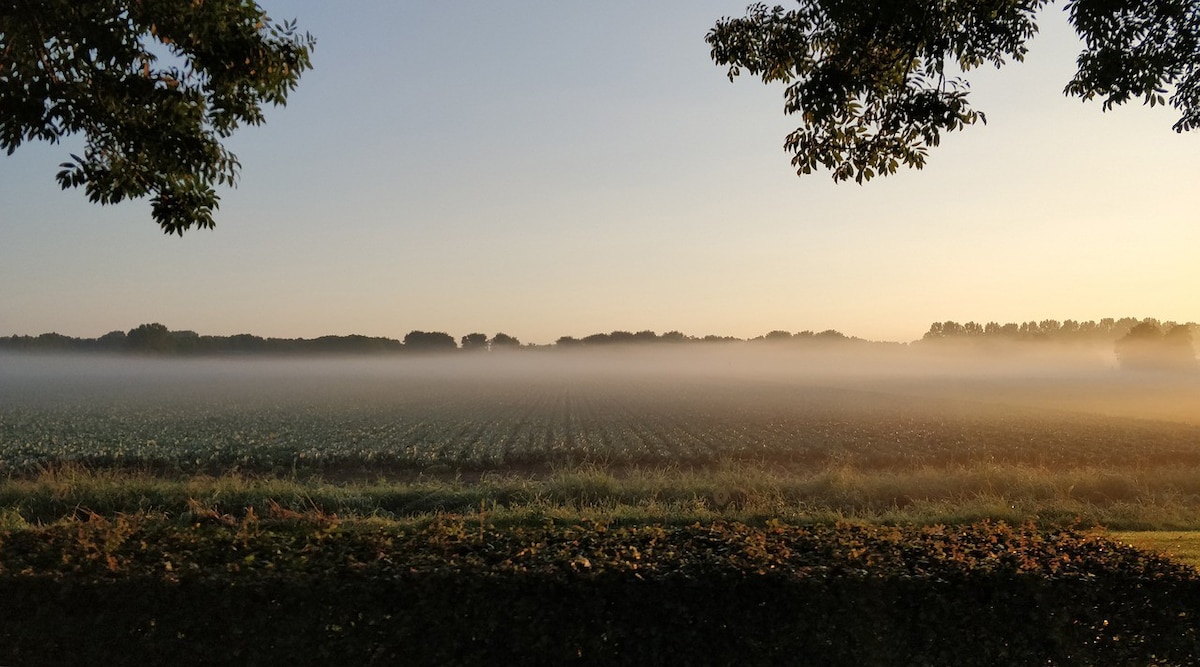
{"x":352,"y":344}
{"x":621,"y":337}
{"x":596,"y":339}
{"x":244,"y":343}
{"x":1178,"y":344}
{"x":153,"y":123}
{"x":674,"y":337}
{"x":874,"y":80}
{"x":475,"y":342}
{"x":54,"y":341}
{"x":429,"y":341}
{"x":645,"y":336}
{"x":185,"y":342}
{"x":1147,"y":347}
{"x":502,"y":341}
{"x":112,"y":341}
{"x":149,"y":338}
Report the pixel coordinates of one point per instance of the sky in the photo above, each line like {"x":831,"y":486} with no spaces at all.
{"x":560,"y":169}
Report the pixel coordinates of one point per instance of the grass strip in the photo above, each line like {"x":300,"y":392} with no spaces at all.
{"x":1183,"y":546}
{"x":1128,"y":499}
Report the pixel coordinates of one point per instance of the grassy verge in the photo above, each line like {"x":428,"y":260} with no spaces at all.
{"x":1182,"y":546}
{"x":1127,"y":500}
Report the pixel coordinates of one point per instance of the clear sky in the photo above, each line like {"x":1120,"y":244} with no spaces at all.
{"x":565,"y":168}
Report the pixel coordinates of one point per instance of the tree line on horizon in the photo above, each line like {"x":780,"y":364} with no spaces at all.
{"x":1135,"y":340}
{"x":1104,"y":330}
{"x":1145,"y":344}
{"x":158,"y":339}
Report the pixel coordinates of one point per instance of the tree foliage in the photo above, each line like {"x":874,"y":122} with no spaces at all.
{"x":1148,"y":347}
{"x":503,"y":341}
{"x":154,"y":86}
{"x":429,"y":341}
{"x":476,"y":342}
{"x":874,"y":81}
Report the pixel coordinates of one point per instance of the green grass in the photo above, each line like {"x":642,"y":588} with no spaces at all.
{"x":626,"y":445}
{"x":1116,"y":499}
{"x":1183,"y":546}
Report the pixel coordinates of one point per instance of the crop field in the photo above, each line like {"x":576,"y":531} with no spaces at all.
{"x":694,"y":436}
{"x":398,"y":423}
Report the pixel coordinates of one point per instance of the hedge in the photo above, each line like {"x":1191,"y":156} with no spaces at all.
{"x":213,"y":590}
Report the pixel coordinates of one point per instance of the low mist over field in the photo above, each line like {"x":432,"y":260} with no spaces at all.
{"x":817,"y":407}
{"x":1082,"y":378}
{"x":921,"y":432}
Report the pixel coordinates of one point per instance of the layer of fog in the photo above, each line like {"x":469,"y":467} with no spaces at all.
{"x":1074,"y":378}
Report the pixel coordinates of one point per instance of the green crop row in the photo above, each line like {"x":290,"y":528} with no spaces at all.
{"x":522,"y":428}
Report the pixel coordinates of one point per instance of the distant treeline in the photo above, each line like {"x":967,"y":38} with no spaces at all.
{"x":626,"y":337}
{"x":1145,"y":344}
{"x":1107,"y":330}
{"x":158,"y":339}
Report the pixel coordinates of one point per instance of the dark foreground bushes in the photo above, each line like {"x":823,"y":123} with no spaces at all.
{"x":141,"y":591}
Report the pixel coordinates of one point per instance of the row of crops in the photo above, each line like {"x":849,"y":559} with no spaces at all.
{"x":447,"y":423}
